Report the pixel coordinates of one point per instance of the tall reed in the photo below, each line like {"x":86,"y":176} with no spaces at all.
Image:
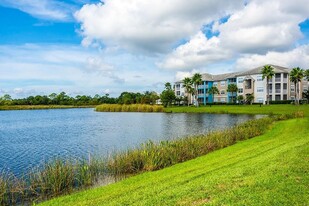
{"x":129,"y":108}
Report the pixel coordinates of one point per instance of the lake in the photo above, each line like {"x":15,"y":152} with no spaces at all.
{"x":30,"y":137}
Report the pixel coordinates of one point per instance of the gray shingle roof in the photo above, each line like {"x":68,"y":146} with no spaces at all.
{"x":258,"y":70}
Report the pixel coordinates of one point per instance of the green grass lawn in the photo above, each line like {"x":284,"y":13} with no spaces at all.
{"x":243,"y":109}
{"x":271,"y":169}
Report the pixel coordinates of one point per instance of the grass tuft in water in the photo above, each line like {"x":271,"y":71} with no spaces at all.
{"x":129,"y":108}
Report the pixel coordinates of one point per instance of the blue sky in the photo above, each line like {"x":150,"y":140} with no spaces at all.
{"x":89,"y":47}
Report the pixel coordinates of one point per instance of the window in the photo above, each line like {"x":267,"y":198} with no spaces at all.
{"x":222,"y":92}
{"x":285,"y":86}
{"x":233,"y":80}
{"x":292,"y":88}
{"x":277,"y":97}
{"x":178,"y":93}
{"x":260,"y":89}
{"x":277,"y":77}
{"x":259,"y":78}
{"x":222,"y":83}
{"x":215,"y":84}
{"x":240,"y":80}
{"x":240,"y":90}
{"x":177,"y":86}
{"x":285,"y":75}
{"x":285,"y":97}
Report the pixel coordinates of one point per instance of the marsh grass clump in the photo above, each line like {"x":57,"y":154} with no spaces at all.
{"x":152,"y":156}
{"x":129,"y":108}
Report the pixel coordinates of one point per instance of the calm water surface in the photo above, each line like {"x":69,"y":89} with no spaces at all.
{"x":30,"y":137}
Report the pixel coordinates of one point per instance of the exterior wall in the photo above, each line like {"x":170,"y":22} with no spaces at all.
{"x":222,"y":87}
{"x":179,"y":90}
{"x":279,"y":88}
{"x":231,"y":96}
{"x":203,"y":96}
{"x":260,"y":89}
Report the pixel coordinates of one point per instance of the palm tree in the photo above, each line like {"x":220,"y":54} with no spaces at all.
{"x":168,"y":86}
{"x":268,"y":73}
{"x":213,"y":90}
{"x":240,"y":99}
{"x":296,"y":75}
{"x":196,"y":80}
{"x":306,"y":74}
{"x":232,"y":88}
{"x":187,"y":84}
{"x":249,"y":98}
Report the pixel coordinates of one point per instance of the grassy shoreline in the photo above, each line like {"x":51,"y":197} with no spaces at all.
{"x":271,"y":169}
{"x":38,"y":107}
{"x":242,"y":109}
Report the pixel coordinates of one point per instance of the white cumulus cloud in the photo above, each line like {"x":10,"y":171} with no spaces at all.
{"x":152,"y":26}
{"x":198,"y":52}
{"x":293,"y":58}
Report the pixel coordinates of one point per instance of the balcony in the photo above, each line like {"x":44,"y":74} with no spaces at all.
{"x":277,"y":79}
{"x":202,"y":86}
{"x":200,"y":95}
{"x":278,"y":91}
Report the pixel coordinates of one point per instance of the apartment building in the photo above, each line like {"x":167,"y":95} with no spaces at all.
{"x":248,"y":82}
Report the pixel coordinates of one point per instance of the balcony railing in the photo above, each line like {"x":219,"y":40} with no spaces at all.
{"x":277,"y":79}
{"x":278,"y":90}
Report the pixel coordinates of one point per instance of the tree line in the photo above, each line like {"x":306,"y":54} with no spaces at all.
{"x":82,"y":100}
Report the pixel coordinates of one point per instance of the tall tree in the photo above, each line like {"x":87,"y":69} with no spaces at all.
{"x":168,"y":95}
{"x":196,"y":80}
{"x":187,"y":84}
{"x":213,"y":91}
{"x":233,"y":89}
{"x":268,"y":72}
{"x":296,"y":75}
{"x":168,"y":86}
{"x":306,"y":73}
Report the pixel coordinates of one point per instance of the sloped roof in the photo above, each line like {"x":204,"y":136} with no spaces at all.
{"x":224,"y":76}
{"x":258,"y":70}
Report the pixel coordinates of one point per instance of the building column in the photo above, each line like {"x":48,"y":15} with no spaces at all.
{"x":204,"y":92}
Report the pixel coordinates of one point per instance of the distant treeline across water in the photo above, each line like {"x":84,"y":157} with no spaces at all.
{"x":64,"y":99}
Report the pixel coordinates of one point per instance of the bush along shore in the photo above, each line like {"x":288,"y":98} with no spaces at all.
{"x":129,"y":108}
{"x":60,"y":177}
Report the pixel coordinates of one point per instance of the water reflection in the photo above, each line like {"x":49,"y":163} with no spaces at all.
{"x":28,"y":138}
